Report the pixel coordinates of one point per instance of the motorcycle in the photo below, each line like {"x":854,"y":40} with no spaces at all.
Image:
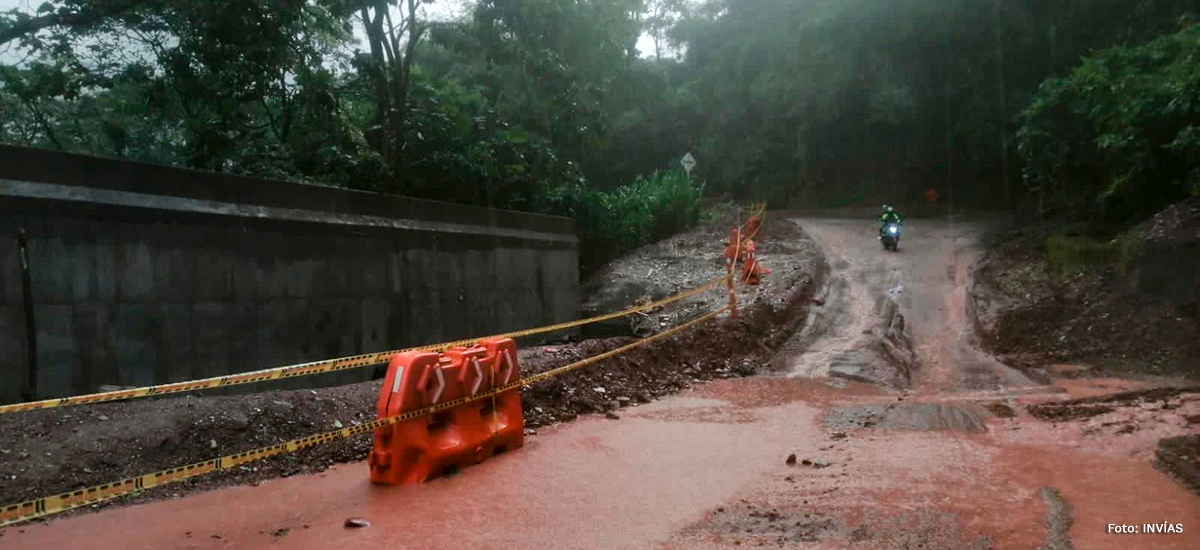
{"x":889,"y":235}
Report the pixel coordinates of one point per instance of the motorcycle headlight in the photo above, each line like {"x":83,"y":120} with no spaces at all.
{"x":893,"y":229}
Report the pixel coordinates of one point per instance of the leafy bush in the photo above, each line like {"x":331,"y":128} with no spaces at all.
{"x":654,"y":208}
{"x":616,"y":222}
{"x":1123,"y":127}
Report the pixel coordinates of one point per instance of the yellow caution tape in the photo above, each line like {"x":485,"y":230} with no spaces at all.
{"x":763,"y":221}
{"x":760,"y":210}
{"x":25,"y":511}
{"x":328,"y":365}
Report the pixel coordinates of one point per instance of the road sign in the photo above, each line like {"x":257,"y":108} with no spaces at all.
{"x":688,"y":163}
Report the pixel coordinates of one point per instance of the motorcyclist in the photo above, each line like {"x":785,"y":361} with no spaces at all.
{"x":889,"y":216}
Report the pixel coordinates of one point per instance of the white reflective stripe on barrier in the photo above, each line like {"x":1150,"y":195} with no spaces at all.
{"x":478,"y":377}
{"x":396,"y":381}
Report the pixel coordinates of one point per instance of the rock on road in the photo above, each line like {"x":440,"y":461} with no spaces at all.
{"x":877,"y":468}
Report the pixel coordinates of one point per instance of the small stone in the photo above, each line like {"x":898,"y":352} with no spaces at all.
{"x":280,"y":532}
{"x":212,"y":443}
{"x":216,"y":536}
{"x":624,"y":401}
{"x":102,"y":417}
{"x":599,"y":389}
{"x":337,"y":424}
{"x":806,"y":462}
{"x":237,"y":420}
{"x":791,"y":459}
{"x":357,"y":523}
{"x":281,"y":408}
{"x":612,"y":415}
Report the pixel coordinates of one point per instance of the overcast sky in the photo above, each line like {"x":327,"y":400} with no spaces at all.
{"x":439,"y":9}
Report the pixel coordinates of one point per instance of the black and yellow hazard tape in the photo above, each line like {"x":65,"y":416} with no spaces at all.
{"x":45,"y":506}
{"x":329,"y":365}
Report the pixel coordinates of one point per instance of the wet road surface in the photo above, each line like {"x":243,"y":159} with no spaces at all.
{"x":927,"y":468}
{"x":927,"y":278}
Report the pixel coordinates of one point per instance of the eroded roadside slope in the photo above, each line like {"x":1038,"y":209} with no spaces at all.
{"x":1061,"y":305}
{"x":1127,"y":305}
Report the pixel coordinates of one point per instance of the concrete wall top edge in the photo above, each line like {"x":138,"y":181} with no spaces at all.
{"x":51,"y":199}
{"x":88,"y":172}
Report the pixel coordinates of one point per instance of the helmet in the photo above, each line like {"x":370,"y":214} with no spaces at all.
{"x":889,"y":208}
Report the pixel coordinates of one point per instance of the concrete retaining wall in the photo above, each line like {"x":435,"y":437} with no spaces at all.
{"x":144,"y":274}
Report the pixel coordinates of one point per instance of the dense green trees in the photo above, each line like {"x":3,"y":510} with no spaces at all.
{"x":826,"y":102}
{"x":1124,"y":126}
{"x":546,"y":105}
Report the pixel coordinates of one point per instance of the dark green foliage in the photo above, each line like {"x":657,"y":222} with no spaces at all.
{"x":1124,"y":126}
{"x":616,"y":222}
{"x":544,"y":105}
{"x":845,"y":102}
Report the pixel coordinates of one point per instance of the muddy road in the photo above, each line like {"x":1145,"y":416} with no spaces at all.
{"x":904,"y":436}
{"x":925,"y":283}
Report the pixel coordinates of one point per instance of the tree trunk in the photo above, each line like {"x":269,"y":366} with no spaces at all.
{"x":379,"y":80}
{"x":391,"y":77}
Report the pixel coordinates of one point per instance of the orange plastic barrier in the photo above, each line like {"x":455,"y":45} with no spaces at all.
{"x":417,"y":450}
{"x":752,"y":271}
{"x":735,"y":251}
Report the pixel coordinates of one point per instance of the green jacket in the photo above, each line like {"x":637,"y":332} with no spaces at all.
{"x":890,"y":217}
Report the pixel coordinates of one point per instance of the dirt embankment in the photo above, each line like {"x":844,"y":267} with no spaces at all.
{"x":1180,"y":458}
{"x":690,"y":259}
{"x":1126,"y":305}
{"x":1058,"y":304}
{"x":56,"y":450}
